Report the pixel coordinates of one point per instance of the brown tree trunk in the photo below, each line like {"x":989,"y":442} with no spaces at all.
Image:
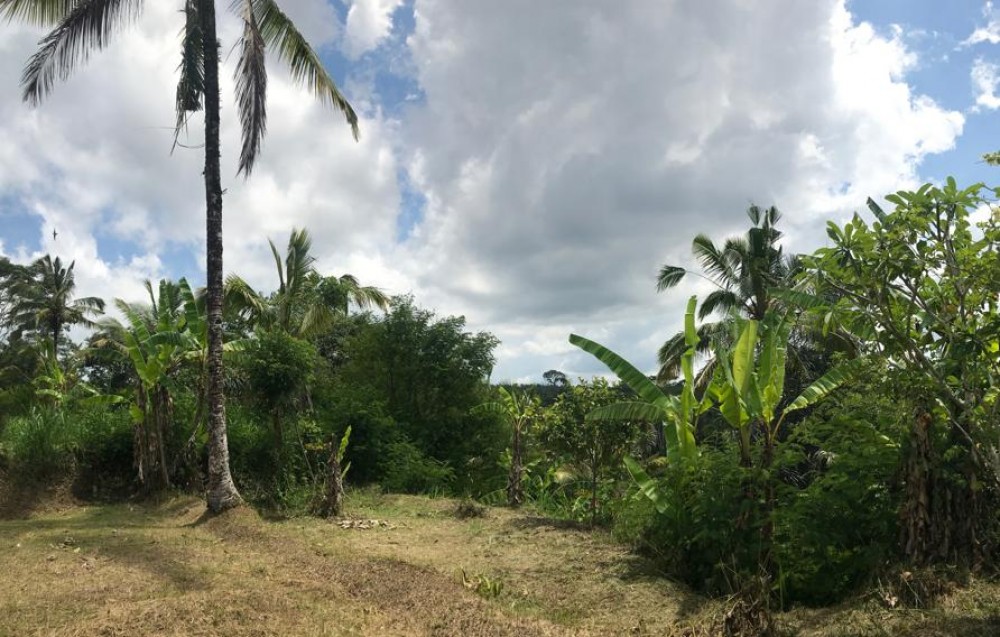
{"x":515,"y":492}
{"x":149,"y":443}
{"x":941,"y":515}
{"x":333,"y":500}
{"x":222,"y":493}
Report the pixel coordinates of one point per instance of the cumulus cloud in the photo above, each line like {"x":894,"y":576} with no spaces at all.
{"x":984,"y":81}
{"x":368,"y":23}
{"x":989,"y":32}
{"x":567,"y":151}
{"x":563,"y":151}
{"x":94,"y":161}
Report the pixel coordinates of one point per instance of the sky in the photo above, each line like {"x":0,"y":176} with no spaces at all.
{"x":528,"y":165}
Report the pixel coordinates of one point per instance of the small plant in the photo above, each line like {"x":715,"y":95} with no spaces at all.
{"x":483,"y":585}
{"x":467,"y":509}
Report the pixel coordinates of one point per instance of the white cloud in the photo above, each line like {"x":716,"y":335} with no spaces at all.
{"x":94,"y":160}
{"x":565,"y":150}
{"x":566,"y":156}
{"x":990,"y":32}
{"x":984,"y":81}
{"x":368,"y":23}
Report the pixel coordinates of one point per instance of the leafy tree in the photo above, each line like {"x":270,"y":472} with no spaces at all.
{"x":519,"y":410}
{"x":593,"y":447}
{"x":277,"y":367}
{"x":10,"y":274}
{"x":82,"y":27}
{"x":156,"y":340}
{"x":426,"y":374}
{"x":919,"y":286}
{"x":43,"y":302}
{"x":556,"y":378}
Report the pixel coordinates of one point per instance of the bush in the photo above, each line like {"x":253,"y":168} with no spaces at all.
{"x":104,"y":452}
{"x":838,"y":530}
{"x":405,"y":469}
{"x":835,"y":520}
{"x":39,"y":445}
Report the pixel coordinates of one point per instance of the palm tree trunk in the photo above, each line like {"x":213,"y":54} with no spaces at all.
{"x":222,"y":493}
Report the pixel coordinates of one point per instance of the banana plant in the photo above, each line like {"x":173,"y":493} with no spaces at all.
{"x":156,"y":338}
{"x":678,"y":415}
{"x":60,"y":385}
{"x":750,"y":380}
{"x":519,"y":410}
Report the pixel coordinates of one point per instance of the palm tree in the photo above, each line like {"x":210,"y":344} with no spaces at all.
{"x":43,"y":303}
{"x":306,"y":302}
{"x":746,"y":271}
{"x":83,"y":26}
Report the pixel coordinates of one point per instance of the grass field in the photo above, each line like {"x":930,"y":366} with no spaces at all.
{"x":398,"y":565}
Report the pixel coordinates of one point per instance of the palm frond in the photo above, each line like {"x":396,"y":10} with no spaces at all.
{"x":670,"y":353}
{"x":715,"y":262}
{"x":242,"y":299}
{"x":280,"y":34}
{"x":87,"y":27}
{"x":670,"y":276}
{"x":251,"y":90}
{"x":42,"y":13}
{"x":723,"y":301}
{"x":315,"y":319}
{"x":191,"y":86}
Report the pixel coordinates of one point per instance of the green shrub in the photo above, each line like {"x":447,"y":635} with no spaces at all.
{"x":39,"y":445}
{"x":699,"y":538}
{"x":104,"y":451}
{"x":405,"y":469}
{"x":841,"y":527}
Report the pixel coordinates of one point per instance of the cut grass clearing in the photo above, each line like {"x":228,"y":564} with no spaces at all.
{"x":167,"y":570}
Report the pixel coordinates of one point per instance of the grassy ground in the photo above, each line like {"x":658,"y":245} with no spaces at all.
{"x":420,"y":570}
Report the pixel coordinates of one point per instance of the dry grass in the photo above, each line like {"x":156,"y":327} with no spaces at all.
{"x":167,"y":570}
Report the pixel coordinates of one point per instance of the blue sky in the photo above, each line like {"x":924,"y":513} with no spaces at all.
{"x":528,"y":165}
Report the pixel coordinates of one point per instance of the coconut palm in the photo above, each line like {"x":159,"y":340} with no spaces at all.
{"x":42,"y":301}
{"x":745,"y":270}
{"x":80,"y":27}
{"x":306,"y":302}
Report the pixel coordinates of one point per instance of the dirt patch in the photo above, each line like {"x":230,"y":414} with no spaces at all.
{"x":22,"y":499}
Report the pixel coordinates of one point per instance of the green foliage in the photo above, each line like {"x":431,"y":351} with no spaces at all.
{"x":689,"y":527}
{"x":423,"y":374}
{"x":677,"y":415}
{"x":838,"y":531}
{"x":103,"y":447}
{"x":275,"y":472}
{"x":591,"y":448}
{"x":405,"y":469}
{"x":278,"y":367}
{"x":39,"y":445}
{"x":920,"y":285}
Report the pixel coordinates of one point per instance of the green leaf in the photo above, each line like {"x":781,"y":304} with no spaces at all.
{"x":628,"y":411}
{"x":628,"y":374}
{"x":647,"y":486}
{"x":876,"y":209}
{"x":342,"y":449}
{"x":743,"y":357}
{"x":825,"y":385}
